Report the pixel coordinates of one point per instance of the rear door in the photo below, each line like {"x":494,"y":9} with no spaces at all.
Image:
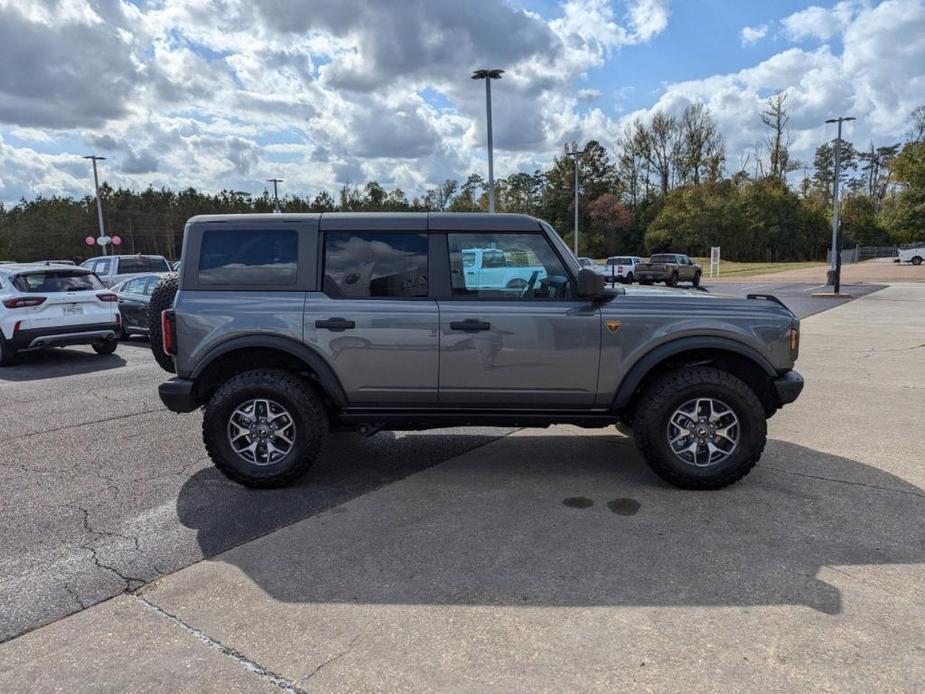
{"x":528,"y":345}
{"x":133,"y":303}
{"x":372,"y":317}
{"x":72,"y":297}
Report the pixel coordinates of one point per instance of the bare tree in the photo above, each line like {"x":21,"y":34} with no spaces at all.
{"x":776,"y":118}
{"x":701,"y":149}
{"x":661,"y":148}
{"x":917,"y":129}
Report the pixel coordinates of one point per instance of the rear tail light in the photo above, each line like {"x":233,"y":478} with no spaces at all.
{"x":107,"y":297}
{"x":118,"y":318}
{"x":17,"y":326}
{"x":24,"y":301}
{"x":168,"y":332}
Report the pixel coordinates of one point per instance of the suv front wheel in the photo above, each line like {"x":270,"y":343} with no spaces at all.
{"x":264,"y":428}
{"x":700,"y":428}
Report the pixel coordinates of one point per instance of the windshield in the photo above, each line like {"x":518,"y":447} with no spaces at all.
{"x":49,"y":281}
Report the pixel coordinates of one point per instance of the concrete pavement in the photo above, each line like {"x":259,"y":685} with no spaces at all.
{"x":554,"y":560}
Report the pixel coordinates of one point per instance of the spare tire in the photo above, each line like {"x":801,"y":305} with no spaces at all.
{"x":161,"y":299}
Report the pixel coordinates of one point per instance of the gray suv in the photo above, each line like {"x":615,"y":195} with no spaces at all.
{"x":286,"y":327}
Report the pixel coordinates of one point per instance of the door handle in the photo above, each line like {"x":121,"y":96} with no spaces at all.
{"x":470,"y":325}
{"x":335,"y":324}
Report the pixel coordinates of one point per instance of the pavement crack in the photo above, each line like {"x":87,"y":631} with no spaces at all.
{"x":82,"y":424}
{"x":248,"y":664}
{"x":331,"y":660}
{"x":835,"y":479}
{"x":131,"y":582}
{"x":74,"y":594}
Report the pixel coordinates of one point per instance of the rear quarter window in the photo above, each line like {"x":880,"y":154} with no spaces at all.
{"x":261,"y":257}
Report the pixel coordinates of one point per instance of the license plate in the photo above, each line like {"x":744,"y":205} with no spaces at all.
{"x":73,"y":310}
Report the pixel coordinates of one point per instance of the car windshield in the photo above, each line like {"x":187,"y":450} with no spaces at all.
{"x":49,"y":281}
{"x":619,"y":261}
{"x":664,"y":259}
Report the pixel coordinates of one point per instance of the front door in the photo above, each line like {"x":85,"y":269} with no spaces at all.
{"x":522,"y":340}
{"x":373,"y":321}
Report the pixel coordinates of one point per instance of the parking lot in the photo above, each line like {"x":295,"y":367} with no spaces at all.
{"x":546,"y":559}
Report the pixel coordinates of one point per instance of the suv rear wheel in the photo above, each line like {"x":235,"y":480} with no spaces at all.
{"x":700,"y":428}
{"x":264,"y":428}
{"x":161,"y":299}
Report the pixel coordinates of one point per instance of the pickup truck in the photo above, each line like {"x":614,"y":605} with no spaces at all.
{"x":491,"y":268}
{"x":669,"y":268}
{"x":912,"y":255}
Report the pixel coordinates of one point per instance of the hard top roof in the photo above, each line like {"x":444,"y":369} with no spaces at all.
{"x":372,"y":221}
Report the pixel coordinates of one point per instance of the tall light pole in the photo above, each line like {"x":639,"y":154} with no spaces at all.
{"x":99,"y":202}
{"x":575,"y":153}
{"x":488,"y":76}
{"x":275,"y":181}
{"x":835,"y":266}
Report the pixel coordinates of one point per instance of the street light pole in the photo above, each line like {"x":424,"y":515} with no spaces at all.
{"x":274,"y":181}
{"x":835,"y":265}
{"x":488,"y":76}
{"x":575,"y":153}
{"x":99,"y":202}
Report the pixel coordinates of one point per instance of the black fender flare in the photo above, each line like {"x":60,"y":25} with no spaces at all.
{"x":326,"y":376}
{"x":650,"y":359}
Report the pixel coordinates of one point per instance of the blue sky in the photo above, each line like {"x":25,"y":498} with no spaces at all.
{"x":180,"y":92}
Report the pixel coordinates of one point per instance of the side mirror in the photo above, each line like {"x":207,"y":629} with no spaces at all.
{"x":590,"y":284}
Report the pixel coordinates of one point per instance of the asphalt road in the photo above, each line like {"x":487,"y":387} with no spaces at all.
{"x":798,"y":297}
{"x":104,"y":489}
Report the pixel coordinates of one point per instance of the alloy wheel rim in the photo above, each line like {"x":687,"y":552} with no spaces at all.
{"x":703,"y":432}
{"x":261,"y":431}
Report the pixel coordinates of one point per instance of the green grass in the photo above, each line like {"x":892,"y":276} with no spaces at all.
{"x":731,"y":268}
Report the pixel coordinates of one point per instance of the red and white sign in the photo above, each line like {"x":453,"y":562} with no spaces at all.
{"x":90,"y":241}
{"x":116,"y":240}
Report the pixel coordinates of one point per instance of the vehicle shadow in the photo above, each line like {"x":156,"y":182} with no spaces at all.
{"x":53,"y":363}
{"x":568,"y":521}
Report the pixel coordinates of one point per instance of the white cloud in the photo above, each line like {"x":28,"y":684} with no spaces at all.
{"x":821,"y":23}
{"x":648,"y":18}
{"x":750,"y":35}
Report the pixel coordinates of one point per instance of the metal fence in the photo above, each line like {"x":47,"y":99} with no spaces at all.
{"x":861,"y":253}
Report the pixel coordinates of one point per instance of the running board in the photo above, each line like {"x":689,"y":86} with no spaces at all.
{"x":422,"y":419}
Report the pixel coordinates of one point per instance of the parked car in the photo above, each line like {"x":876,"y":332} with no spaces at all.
{"x":280,"y":346}
{"x":669,"y":268}
{"x":134,"y":296}
{"x":912,"y":255}
{"x":623,"y":267}
{"x":54,"y":306}
{"x":112,"y":269}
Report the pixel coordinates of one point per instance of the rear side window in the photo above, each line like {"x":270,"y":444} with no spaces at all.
{"x":102,"y":266}
{"x":375,"y":264}
{"x":260,"y":257}
{"x":52,"y":281}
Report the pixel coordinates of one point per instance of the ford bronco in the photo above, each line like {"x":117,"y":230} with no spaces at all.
{"x":285,"y":327}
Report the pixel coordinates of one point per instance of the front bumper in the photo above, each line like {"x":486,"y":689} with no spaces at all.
{"x":62,"y":336}
{"x":788,"y":386}
{"x":178,"y":395}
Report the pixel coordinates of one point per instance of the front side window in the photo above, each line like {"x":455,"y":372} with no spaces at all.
{"x":260,"y":257}
{"x":375,"y":264}
{"x":51,"y":281}
{"x":135,"y":286}
{"x":508,"y":266}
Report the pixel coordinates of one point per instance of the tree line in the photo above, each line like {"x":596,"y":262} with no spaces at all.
{"x":662,"y":186}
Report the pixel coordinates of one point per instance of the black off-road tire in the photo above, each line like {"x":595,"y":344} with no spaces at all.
{"x":7,"y":353}
{"x":671,"y":390}
{"x":630,"y":278}
{"x":916,"y":260}
{"x":672,"y":281}
{"x":161,"y":300}
{"x":696,"y":280}
{"x":106,"y":347}
{"x":291,"y":391}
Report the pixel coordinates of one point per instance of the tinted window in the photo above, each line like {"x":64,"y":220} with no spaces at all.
{"x":513,"y":266}
{"x":142,"y":264}
{"x":664,"y":259}
{"x":152,"y":283}
{"x":375,"y":264}
{"x":57,"y":281}
{"x":267,"y":257}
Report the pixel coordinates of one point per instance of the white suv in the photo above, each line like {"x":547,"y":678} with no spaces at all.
{"x":55,"y":306}
{"x":912,"y":255}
